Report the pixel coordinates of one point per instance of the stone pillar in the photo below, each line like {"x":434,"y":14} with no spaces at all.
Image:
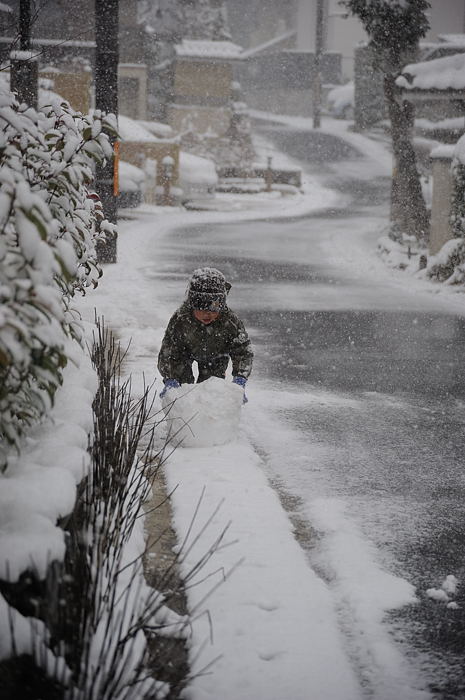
{"x":443,"y":182}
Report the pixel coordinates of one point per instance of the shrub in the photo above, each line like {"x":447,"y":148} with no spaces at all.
{"x":48,"y":229}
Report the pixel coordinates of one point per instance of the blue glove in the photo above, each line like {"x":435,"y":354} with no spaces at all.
{"x":169,"y":384}
{"x":241,"y":381}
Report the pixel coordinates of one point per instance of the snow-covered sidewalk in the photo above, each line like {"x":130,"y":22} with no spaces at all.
{"x":260,"y":613}
{"x":264,"y":624}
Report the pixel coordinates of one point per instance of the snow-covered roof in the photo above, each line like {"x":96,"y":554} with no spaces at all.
{"x":443,"y":151}
{"x":163,"y":131}
{"x":195,"y":48}
{"x":248,"y":53}
{"x":456,"y":39}
{"x":447,"y":73}
{"x":132,"y":130}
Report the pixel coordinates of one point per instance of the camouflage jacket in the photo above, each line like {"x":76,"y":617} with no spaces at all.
{"x":187,"y":340}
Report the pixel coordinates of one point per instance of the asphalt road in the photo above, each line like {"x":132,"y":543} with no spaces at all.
{"x":397,"y":460}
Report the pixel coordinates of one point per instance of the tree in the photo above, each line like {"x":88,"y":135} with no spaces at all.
{"x":394,"y":28}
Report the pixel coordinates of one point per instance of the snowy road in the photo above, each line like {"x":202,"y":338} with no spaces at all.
{"x":360,"y":378}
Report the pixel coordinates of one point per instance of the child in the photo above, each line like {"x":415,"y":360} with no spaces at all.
{"x":204,"y":330}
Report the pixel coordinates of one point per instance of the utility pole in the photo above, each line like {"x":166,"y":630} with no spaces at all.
{"x":319,"y":37}
{"x":106,"y":100}
{"x":24,"y":66}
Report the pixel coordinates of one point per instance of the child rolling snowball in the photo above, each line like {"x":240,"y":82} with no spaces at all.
{"x":206,"y":331}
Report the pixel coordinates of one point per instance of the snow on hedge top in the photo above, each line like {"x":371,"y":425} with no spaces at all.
{"x":439,"y":74}
{"x":195,"y":48}
{"x":194,"y":169}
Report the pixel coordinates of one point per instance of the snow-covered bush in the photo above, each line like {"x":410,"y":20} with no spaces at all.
{"x":449,"y":264}
{"x":48,"y":229}
{"x":340,"y":100}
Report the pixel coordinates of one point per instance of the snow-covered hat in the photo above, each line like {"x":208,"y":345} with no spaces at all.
{"x":208,"y":289}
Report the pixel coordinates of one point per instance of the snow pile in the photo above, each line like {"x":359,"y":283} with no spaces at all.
{"x":195,"y":170}
{"x":447,"y":591}
{"x":341,"y":98}
{"x":131,"y":178}
{"x":205,"y":414}
{"x":39,"y":486}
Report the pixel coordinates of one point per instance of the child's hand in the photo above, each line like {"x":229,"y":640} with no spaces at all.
{"x":241,"y":381}
{"x":169,"y":384}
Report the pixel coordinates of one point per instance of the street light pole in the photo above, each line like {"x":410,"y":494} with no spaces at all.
{"x":319,"y":35}
{"x":106,"y":100}
{"x":24,"y":67}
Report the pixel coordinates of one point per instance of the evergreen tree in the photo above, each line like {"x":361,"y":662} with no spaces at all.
{"x":394,"y":28}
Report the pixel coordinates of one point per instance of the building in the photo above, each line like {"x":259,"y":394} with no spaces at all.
{"x":203,"y":85}
{"x":437,"y":88}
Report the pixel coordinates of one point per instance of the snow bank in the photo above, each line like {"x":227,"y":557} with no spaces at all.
{"x":206,"y":414}
{"x":39,"y":486}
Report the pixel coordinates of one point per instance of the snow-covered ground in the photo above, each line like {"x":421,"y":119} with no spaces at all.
{"x":265,"y":625}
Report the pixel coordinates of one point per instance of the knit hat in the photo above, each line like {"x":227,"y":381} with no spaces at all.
{"x":208,"y":289}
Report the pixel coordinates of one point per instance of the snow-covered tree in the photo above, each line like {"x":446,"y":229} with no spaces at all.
{"x":394,"y":28}
{"x":48,"y":229}
{"x":205,"y":19}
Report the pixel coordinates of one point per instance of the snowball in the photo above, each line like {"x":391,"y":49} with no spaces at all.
{"x":205,"y":414}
